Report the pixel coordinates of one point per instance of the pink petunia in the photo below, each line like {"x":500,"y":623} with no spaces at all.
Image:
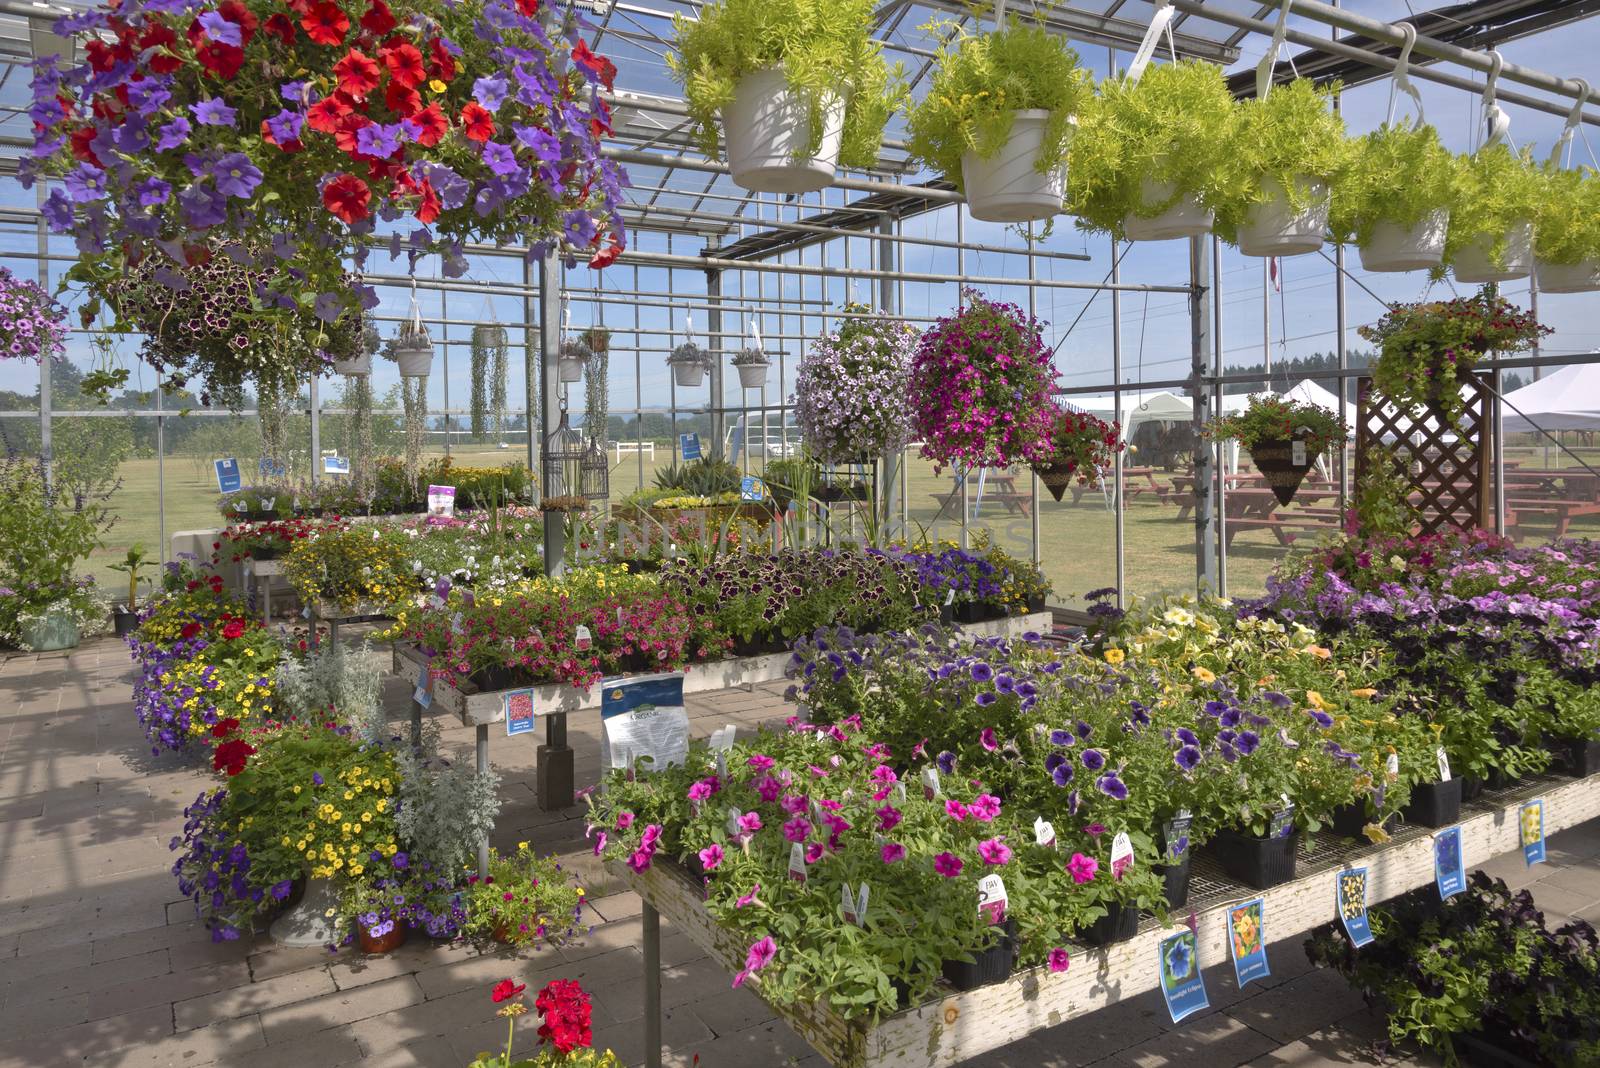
{"x":984,"y":807}
{"x":948,"y":864}
{"x":892,"y":852}
{"x":1082,"y":868}
{"x":994,"y":852}
{"x":758,"y":956}
{"x":711,"y":857}
{"x":1058,"y":960}
{"x":748,"y":899}
{"x":955,"y":810}
{"x":797,"y":829}
{"x":988,"y":739}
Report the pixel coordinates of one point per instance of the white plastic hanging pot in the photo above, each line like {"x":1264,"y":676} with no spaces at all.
{"x":1580,"y":277}
{"x":752,"y":375}
{"x":1407,"y":248}
{"x":768,"y":127}
{"x":1274,"y":228}
{"x":360,"y":367}
{"x":1007,"y":187}
{"x":1186,"y":218}
{"x":1474,"y":266}
{"x":414,"y":356}
{"x":571,"y":370}
{"x":688,"y":374}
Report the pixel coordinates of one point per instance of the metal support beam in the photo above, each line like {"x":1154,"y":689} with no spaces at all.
{"x":716,"y":341}
{"x":555,"y":526}
{"x":1200,"y":311}
{"x":889,"y":484}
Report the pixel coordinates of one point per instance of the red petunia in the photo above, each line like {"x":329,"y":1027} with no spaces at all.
{"x":281,"y":28}
{"x":240,"y":16}
{"x":232,"y":629}
{"x":344,"y":132}
{"x":325,"y":23}
{"x":429,"y":207}
{"x":378,"y":19}
{"x":505,"y":990}
{"x":159,"y":41}
{"x":433,"y":125}
{"x":102,"y":57}
{"x":595,"y":63}
{"x":477,"y":122}
{"x":221,"y":61}
{"x":79,"y":141}
{"x":324,"y":115}
{"x":608,"y":255}
{"x":529,"y":8}
{"x":405,"y":64}
{"x":403,"y":100}
{"x":224,"y":727}
{"x":441,"y":64}
{"x":358,"y":74}
{"x":347,"y":197}
{"x":231,"y":756}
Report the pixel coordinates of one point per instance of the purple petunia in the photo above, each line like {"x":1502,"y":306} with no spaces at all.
{"x":1113,"y":787}
{"x":174,"y":134}
{"x":214,"y":112}
{"x":236,"y":176}
{"x":1187,"y":757}
{"x":1093,"y":759}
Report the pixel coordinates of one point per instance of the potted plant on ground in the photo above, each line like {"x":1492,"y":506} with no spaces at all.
{"x":1289,"y":149}
{"x":1424,"y":349}
{"x":1491,"y":227}
{"x":689,"y":363}
{"x":850,"y":389}
{"x":1394,"y":199}
{"x":997,"y":118}
{"x":528,"y":900}
{"x":980,"y":388}
{"x":126,"y":619}
{"x":752,"y":364}
{"x":1082,"y":447}
{"x":1567,"y":235}
{"x":800,"y":86}
{"x":1283,"y":436}
{"x":1150,"y":158}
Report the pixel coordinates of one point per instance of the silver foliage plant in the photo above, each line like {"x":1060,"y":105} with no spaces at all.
{"x":445,"y":809}
{"x":332,"y":680}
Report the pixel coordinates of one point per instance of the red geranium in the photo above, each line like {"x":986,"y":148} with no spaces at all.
{"x":405,"y":64}
{"x":477,"y":120}
{"x":358,"y":74}
{"x":565,"y":1008}
{"x":325,"y":23}
{"x":379,"y":19}
{"x":190,"y":630}
{"x":231,"y":756}
{"x":224,"y":727}
{"x":505,"y":990}
{"x":232,"y":629}
{"x":347,"y":197}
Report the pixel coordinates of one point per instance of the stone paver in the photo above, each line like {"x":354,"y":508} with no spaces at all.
{"x":101,"y":963}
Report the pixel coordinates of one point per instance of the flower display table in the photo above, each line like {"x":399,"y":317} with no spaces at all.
{"x":258,"y":576}
{"x":961,"y":1025}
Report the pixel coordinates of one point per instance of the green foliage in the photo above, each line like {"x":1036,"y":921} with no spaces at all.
{"x":445,"y":810}
{"x":1174,"y":127}
{"x":982,"y":80}
{"x":132,"y":564}
{"x":1567,"y":229}
{"x":1498,"y":189}
{"x":1290,"y":136}
{"x":45,"y":536}
{"x":705,"y":477}
{"x":823,"y":45}
{"x":1268,"y":417}
{"x":1382,"y":504}
{"x":333,"y":680}
{"x":488,"y":378}
{"x":1397,"y":174}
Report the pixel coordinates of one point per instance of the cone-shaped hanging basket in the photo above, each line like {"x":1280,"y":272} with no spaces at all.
{"x":1057,"y":477}
{"x":1274,"y":458}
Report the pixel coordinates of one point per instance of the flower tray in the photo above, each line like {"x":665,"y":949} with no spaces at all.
{"x":1119,"y":924}
{"x":1435,"y":804}
{"x":987,"y":966}
{"x":1256,"y":862}
{"x":977,"y":612}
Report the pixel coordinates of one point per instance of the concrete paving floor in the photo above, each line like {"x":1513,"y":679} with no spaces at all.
{"x":102,"y":962}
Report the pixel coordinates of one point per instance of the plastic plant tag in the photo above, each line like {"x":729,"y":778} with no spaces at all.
{"x":1530,"y":826}
{"x":582,"y":639}
{"x":992,"y":898}
{"x":797,"y":862}
{"x":1044,"y":832}
{"x":1297,"y":453}
{"x":930,"y":783}
{"x":1350,"y":890}
{"x":519,"y":711}
{"x":899,"y":793}
{"x":1282,"y":824}
{"x":421,"y":695}
{"x":732,"y":824}
{"x":1181,"y":982}
{"x":1121,"y":855}
{"x":455,"y":623}
{"x":862,"y":896}
{"x":1391,"y":766}
{"x":950,"y":596}
{"x":722,"y":739}
{"x":1247,"y":943}
{"x":1176,"y":834}
{"x":1444,"y":764}
{"x":1447,"y":866}
{"x":722,"y":765}
{"x":268,"y":503}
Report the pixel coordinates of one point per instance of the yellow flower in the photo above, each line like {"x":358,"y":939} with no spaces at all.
{"x":1365,"y":691}
{"x":1204,"y":674}
{"x":1314,"y":699}
{"x":1115,"y":655}
{"x":437,"y":86}
{"x":521,"y":846}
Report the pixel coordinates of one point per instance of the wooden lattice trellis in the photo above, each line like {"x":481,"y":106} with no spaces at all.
{"x":1446,"y":467}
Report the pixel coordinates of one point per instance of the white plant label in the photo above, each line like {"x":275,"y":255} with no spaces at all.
{"x":732,"y":826}
{"x":992,"y":898}
{"x":797,"y":862}
{"x":1121,"y":855}
{"x":930,"y":783}
{"x":722,"y":739}
{"x":1392,"y":765}
{"x":1444,"y":764}
{"x":455,"y":623}
{"x":1297,"y":453}
{"x":1044,"y":832}
{"x":269,"y":503}
{"x":950,"y":597}
{"x":582,"y":639}
{"x":722,"y":766}
{"x":900,"y":793}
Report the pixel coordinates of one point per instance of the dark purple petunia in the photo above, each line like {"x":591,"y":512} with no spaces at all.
{"x":1112,"y":787}
{"x":1093,"y":759}
{"x":1054,"y":761}
{"x":1247,"y":742}
{"x":1187,"y":757}
{"x":1061,"y":737}
{"x":981,"y":672}
{"x":946,"y":761}
{"x":1062,"y":774}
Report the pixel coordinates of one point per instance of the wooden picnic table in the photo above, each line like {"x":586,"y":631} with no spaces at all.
{"x":1254,"y":501}
{"x":998,"y":486}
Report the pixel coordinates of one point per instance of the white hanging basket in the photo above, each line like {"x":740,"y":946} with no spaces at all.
{"x":1274,"y":228}
{"x":414,"y":357}
{"x":752,"y":375}
{"x":570,"y":370}
{"x":360,"y":367}
{"x":1474,"y":267}
{"x":1400,"y":248}
{"x":1007,"y":188}
{"x":767,"y":128}
{"x":688,"y":374}
{"x":1580,"y":277}
{"x":1186,"y":218}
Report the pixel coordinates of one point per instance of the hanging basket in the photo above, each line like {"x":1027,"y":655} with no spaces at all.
{"x":414,"y":357}
{"x":1400,"y":248}
{"x":571,"y":370}
{"x":1581,"y":277}
{"x":1007,"y":187}
{"x":689,"y":374}
{"x":752,"y":375}
{"x":1274,"y":458}
{"x":1474,"y":267}
{"x":768,"y":128}
{"x":1274,"y":228}
{"x":1186,"y":218}
{"x":360,"y":367}
{"x":1057,"y":477}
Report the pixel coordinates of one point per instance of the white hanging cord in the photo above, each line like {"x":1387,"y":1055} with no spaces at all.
{"x":1496,"y":123}
{"x":755,"y":332}
{"x":1571,"y":129}
{"x":566,"y":315}
{"x":688,"y":328}
{"x":1264,"y":68}
{"x":416,"y":308}
{"x":1159,"y":24}
{"x":1401,"y":83}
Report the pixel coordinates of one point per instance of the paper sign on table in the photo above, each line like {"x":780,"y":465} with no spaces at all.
{"x":228,"y":477}
{"x":1447,"y":868}
{"x":1246,"y":941}
{"x":518,"y":705}
{"x":1530,"y":821}
{"x":422,"y":695}
{"x":1181,"y":982}
{"x":1350,"y":894}
{"x":644,"y":714}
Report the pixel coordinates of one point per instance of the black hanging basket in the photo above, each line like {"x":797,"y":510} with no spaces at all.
{"x":1274,"y":458}
{"x":1057,"y":477}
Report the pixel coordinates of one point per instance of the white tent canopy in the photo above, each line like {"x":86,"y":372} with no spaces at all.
{"x":1308,"y":392}
{"x":1569,"y":399}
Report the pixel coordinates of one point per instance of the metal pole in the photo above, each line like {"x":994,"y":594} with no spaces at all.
{"x":652,"y":986}
{"x":45,"y":453}
{"x":483,"y":769}
{"x":1200,"y":359}
{"x":555,"y":526}
{"x":444,"y":314}
{"x":1221,"y":511}
{"x":314,"y":400}
{"x":531,"y":372}
{"x":161,"y":474}
{"x":1266,"y":322}
{"x":1033,"y":479}
{"x":714,"y":336}
{"x":1117,"y":516}
{"x":1341,"y":324}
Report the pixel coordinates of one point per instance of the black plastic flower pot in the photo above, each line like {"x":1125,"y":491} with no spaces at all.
{"x":1351,"y":821}
{"x":634,"y":663}
{"x":1471,"y":788}
{"x":263,"y":552}
{"x":977,"y":612}
{"x":492,"y":678}
{"x":1579,"y":757}
{"x":1257,"y":862}
{"x":990,"y":965}
{"x":1175,"y":882}
{"x":124,"y":621}
{"x":1120,"y":923}
{"x":947,"y":614}
{"x":1485,"y":1050}
{"x":1036,"y":602}
{"x":1435,"y":804}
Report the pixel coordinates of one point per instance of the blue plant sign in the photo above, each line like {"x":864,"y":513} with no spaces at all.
{"x":423,"y":694}
{"x":689,"y":446}
{"x":1282,"y":824}
{"x":1181,"y":982}
{"x":336,"y":465}
{"x":1247,"y":941}
{"x":1350,"y":896}
{"x":752,"y":489}
{"x":519,"y":711}
{"x":1447,"y":868}
{"x":228,"y":480}
{"x":1530,"y":823}
{"x":270,"y":468}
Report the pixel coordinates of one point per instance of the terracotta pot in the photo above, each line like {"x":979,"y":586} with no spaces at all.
{"x":388,"y":942}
